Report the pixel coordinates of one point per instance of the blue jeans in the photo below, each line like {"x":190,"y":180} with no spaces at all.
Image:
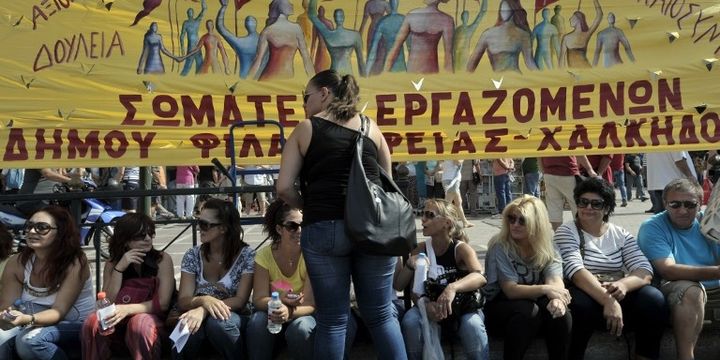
{"x":619,"y":179}
{"x":43,"y":342}
{"x":298,"y":334}
{"x":224,"y":336}
{"x":331,"y":261}
{"x":636,"y":181}
{"x":531,"y":185}
{"x":503,"y":192}
{"x":471,"y":333}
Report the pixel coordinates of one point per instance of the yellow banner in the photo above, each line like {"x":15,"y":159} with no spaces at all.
{"x":159,"y":82}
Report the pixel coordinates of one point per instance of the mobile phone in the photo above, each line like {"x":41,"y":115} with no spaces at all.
{"x":292,"y":296}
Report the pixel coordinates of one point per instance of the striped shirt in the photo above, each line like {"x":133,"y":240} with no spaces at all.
{"x":613,"y":251}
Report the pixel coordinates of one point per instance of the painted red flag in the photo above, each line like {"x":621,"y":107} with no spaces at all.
{"x":240,"y":3}
{"x":148,"y":7}
{"x":541,"y":4}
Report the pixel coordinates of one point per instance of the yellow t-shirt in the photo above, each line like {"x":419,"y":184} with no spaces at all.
{"x":278,"y":281}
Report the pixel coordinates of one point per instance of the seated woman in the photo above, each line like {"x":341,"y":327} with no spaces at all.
{"x":454,"y":257}
{"x":6,"y":243}
{"x":134,"y":264}
{"x":610,"y":275}
{"x":51,"y":277}
{"x":280,"y":267}
{"x":525,"y":294}
{"x":215,"y":282}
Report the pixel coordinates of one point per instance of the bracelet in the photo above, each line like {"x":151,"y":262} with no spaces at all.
{"x":115,"y":269}
{"x":32,"y":320}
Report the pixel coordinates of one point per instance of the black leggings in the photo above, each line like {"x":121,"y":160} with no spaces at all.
{"x":644,"y":311}
{"x":520,"y":321}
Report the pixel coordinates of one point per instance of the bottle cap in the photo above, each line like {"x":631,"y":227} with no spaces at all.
{"x":275,"y":294}
{"x":101,"y":295}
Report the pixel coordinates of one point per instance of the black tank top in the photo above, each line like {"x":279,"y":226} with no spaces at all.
{"x":447,"y":261}
{"x":326,"y":167}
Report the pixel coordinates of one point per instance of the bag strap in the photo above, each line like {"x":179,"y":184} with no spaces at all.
{"x":582,"y":240}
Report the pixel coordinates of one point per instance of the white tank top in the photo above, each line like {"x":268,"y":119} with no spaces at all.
{"x":44,"y":298}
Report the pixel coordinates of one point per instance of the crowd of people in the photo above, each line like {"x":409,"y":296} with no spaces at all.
{"x":565,"y":281}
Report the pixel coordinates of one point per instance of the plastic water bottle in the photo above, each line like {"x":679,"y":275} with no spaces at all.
{"x":274,"y":304}
{"x":421,"y":272}
{"x":104,"y":309}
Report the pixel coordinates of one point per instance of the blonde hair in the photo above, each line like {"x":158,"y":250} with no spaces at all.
{"x":538,"y":227}
{"x":447,"y":210}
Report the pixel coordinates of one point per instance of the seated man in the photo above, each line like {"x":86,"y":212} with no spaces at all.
{"x":686,"y":261}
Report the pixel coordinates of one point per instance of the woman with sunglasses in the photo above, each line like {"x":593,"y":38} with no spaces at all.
{"x":280,"y":267}
{"x":52,"y":278}
{"x":525,"y":294}
{"x":610,"y":277}
{"x":456,"y":260}
{"x":319,"y":151}
{"x":215,"y":282}
{"x":134,"y":265}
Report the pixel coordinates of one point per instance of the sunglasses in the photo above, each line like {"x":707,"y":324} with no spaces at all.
{"x":429,"y":215}
{"x":687,"y":204}
{"x":142,"y":236}
{"x":205,"y":225}
{"x":306,"y":96}
{"x":512,"y":219}
{"x":42,"y":228}
{"x":594,"y":203}
{"x":292,"y":226}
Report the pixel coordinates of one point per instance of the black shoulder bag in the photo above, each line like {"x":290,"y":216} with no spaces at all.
{"x":379,"y":219}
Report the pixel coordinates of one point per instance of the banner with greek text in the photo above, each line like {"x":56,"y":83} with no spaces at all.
{"x":159,"y":82}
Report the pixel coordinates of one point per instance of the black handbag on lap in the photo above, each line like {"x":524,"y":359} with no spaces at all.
{"x":464,"y":302}
{"x":379,"y":219}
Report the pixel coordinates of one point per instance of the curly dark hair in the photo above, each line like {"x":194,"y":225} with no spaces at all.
{"x":229,"y":217}
{"x":128,"y":227}
{"x":65,"y":250}
{"x":600,"y":187}
{"x":6,"y":242}
{"x":275,"y":215}
{"x":346,"y":91}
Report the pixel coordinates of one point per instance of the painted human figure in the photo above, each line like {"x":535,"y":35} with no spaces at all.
{"x":318,"y":47}
{"x":374,"y":11}
{"x":150,"y":58}
{"x":573,"y":49}
{"x":547,"y":39}
{"x":341,"y":42}
{"x":280,"y":41}
{"x":189,"y":30}
{"x":246,"y":46}
{"x":424,"y":28}
{"x":305,"y":24}
{"x":558,"y":20}
{"x":211,"y":44}
{"x":608,"y":41}
{"x":463,"y":34}
{"x":505,"y":41}
{"x":383,"y":39}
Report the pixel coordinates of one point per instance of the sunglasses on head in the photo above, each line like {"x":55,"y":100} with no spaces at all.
{"x":594,"y":203}
{"x":429,"y":215}
{"x":292,"y":226}
{"x":687,"y":204}
{"x":512,"y":219}
{"x":205,"y":225}
{"x":42,"y":228}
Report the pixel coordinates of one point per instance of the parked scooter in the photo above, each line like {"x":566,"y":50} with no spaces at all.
{"x":94,"y":217}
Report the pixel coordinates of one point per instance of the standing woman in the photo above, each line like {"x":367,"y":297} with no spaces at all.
{"x":280,"y":267}
{"x":319,"y":152}
{"x":215,"y":282}
{"x":6,"y":243}
{"x":51,"y":275}
{"x":525,"y":292}
{"x":610,"y":276}
{"x":139,"y":321}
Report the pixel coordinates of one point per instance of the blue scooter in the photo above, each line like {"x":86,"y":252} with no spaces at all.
{"x":95,"y":216}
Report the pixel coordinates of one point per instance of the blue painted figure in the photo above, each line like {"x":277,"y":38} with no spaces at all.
{"x":548,"y":40}
{"x":189,"y":30}
{"x":246,"y":46}
{"x":383,"y":39}
{"x":341,"y":42}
